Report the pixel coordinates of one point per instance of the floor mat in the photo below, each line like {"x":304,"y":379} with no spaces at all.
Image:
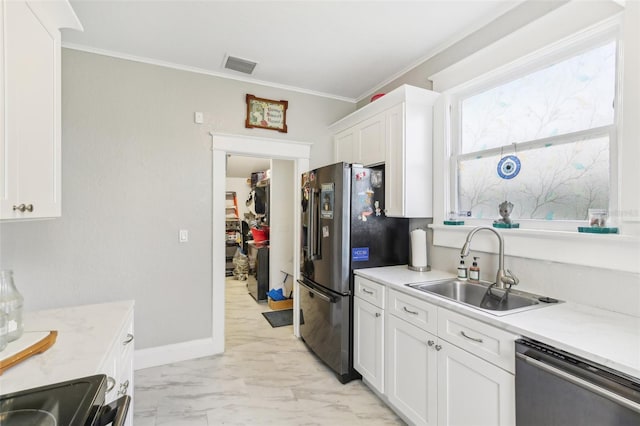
{"x":279,"y":318}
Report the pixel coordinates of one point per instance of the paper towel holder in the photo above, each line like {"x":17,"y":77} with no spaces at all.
{"x":416,"y":268}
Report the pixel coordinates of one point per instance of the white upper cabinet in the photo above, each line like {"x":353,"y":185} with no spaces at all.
{"x":396,"y":130}
{"x":371,"y":136}
{"x":345,"y":146}
{"x":30,"y":134}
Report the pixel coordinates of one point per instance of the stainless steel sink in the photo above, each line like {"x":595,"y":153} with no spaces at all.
{"x":480,"y":295}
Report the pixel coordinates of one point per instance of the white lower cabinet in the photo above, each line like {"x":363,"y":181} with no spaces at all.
{"x":118,"y":367}
{"x":411,"y":371}
{"x":368,"y":356}
{"x":472,"y":391}
{"x":430,"y":381}
{"x":368,"y":326}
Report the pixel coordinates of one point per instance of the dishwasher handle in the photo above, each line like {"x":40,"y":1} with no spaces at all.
{"x":605,"y":393}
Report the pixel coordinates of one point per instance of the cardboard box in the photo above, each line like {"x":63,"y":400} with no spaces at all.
{"x":278,"y":305}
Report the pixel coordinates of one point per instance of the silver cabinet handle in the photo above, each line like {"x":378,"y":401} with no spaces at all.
{"x":438,"y":347}
{"x":378,"y":314}
{"x":408,"y":311}
{"x":475,"y":339}
{"x":128,"y":340}
{"x":367,"y":291}
{"x":430,"y":342}
{"x":23,"y":207}
{"x":111,"y":383}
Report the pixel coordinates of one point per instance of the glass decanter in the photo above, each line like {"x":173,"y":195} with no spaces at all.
{"x":11,"y":302}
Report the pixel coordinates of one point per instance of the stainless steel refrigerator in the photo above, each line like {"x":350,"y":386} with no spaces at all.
{"x":343,"y":228}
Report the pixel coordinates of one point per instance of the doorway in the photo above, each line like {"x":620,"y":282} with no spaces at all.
{"x":276,"y":149}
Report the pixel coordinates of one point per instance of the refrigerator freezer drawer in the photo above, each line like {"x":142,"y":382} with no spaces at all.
{"x":326,"y":327}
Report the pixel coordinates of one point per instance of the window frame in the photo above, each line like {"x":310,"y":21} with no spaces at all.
{"x":538,"y":60}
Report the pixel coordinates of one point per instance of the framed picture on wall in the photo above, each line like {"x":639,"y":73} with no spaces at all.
{"x":266,"y":114}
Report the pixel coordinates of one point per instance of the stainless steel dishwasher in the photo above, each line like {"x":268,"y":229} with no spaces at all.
{"x":557,"y":388}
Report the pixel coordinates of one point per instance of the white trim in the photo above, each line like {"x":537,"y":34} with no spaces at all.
{"x":221,"y":144}
{"x":56,"y":15}
{"x":161,"y":355}
{"x":622,"y":251}
{"x":196,"y":70}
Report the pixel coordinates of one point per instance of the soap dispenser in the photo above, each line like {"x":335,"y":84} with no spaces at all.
{"x":474,"y":271}
{"x":462,"y":270}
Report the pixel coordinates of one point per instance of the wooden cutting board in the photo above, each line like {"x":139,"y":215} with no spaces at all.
{"x":29,"y":344}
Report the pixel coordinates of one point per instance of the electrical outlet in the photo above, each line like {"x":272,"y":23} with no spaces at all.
{"x":183,"y":236}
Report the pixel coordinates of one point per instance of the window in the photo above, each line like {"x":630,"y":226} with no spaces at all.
{"x":558,"y":122}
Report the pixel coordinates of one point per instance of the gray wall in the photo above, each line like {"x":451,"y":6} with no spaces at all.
{"x":135,"y":170}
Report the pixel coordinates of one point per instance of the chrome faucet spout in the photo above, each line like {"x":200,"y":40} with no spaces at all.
{"x":503,"y":278}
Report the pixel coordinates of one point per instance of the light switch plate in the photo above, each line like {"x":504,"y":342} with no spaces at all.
{"x":198,"y":117}
{"x":183,"y":236}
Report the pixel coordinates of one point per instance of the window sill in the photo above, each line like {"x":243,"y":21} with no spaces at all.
{"x":608,"y":251}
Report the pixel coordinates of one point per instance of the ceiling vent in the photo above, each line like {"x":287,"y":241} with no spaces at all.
{"x":238,"y":64}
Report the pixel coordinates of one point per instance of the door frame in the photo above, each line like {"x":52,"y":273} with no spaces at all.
{"x":282,"y":149}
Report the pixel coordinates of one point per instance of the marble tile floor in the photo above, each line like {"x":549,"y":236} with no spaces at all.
{"x":265,"y":377}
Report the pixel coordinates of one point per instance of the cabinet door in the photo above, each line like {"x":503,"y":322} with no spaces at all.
{"x":368,"y":342}
{"x":346,"y":147}
{"x":394,"y":166}
{"x":411,"y":371}
{"x":371,"y":137}
{"x":472,"y":391}
{"x":32,"y":109}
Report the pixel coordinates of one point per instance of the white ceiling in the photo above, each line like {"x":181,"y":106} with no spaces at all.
{"x":342,"y":49}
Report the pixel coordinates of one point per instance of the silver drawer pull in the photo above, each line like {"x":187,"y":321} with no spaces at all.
{"x":111,"y":383}
{"x":408,"y":311}
{"x":129,"y":339}
{"x":367,"y":291}
{"x":438,"y":347}
{"x":475,"y":339}
{"x":431,"y":342}
{"x":378,"y":314}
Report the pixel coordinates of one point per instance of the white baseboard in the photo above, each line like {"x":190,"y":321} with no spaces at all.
{"x":161,"y":355}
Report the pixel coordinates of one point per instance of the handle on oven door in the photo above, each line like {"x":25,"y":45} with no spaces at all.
{"x":115,"y":413}
{"x":580,"y":382}
{"x":318,"y":293}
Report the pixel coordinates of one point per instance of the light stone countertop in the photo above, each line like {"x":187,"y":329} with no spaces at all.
{"x":85,"y":336}
{"x":608,"y":338}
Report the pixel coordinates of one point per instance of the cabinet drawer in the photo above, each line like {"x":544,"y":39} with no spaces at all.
{"x":482,"y":340}
{"x":413,"y":310}
{"x":370,"y":291}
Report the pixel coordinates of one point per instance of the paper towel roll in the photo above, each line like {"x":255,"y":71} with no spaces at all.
{"x":418,"y":248}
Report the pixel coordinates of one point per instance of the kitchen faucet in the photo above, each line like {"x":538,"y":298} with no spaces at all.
{"x":503,"y":279}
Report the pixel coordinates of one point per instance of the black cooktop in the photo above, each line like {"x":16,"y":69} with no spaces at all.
{"x":71,"y":403}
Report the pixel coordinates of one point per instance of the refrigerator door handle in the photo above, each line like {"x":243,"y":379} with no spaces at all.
{"x":311,"y":235}
{"x":317,"y":293}
{"x":314,"y":238}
